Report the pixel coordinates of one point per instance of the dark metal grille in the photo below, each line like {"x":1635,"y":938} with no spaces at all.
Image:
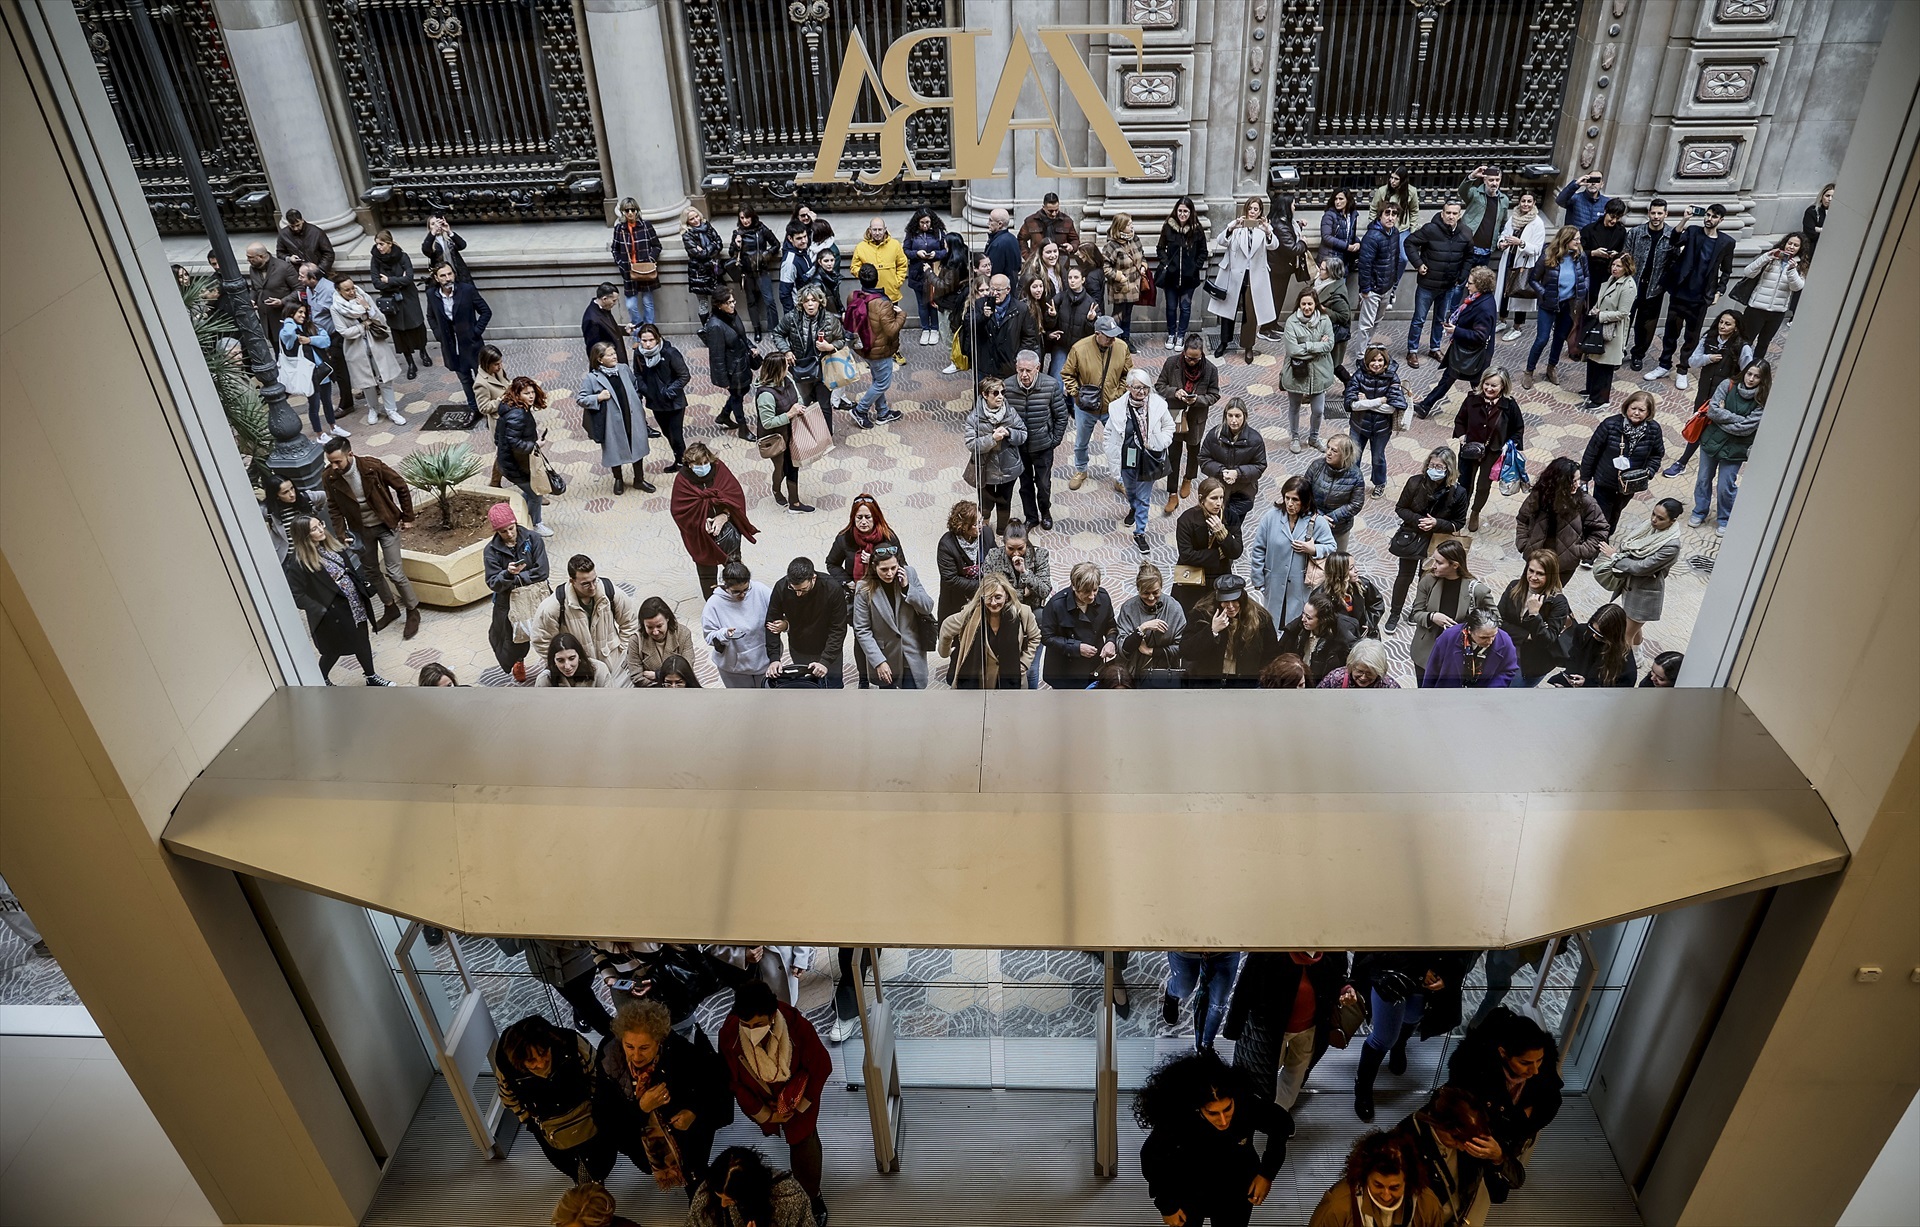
{"x":1441,"y":87}
{"x":199,"y":73}
{"x":764,"y":73}
{"x":476,"y":105}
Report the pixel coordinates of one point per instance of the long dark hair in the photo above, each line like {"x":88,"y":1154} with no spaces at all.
{"x":743,"y":1175}
{"x":1559,"y":487}
{"x":1609,"y":626}
{"x":913,"y":223}
{"x":1765,"y":387}
{"x":1501,"y":1029}
{"x":1402,"y":196}
{"x":562,"y":642}
{"x":1175,"y":1092}
{"x":1193,"y":215}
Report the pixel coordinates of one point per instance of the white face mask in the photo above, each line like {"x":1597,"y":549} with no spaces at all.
{"x":1384,"y":1208}
{"x":756,"y":1034}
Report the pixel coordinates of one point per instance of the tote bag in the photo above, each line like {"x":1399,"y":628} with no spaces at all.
{"x":840,"y":370}
{"x":296,"y":375}
{"x":810,"y":436}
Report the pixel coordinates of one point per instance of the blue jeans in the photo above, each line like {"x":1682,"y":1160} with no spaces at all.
{"x":1726,"y":472}
{"x":929,"y":314}
{"x":1425,"y":301}
{"x":762,"y":303}
{"x":1393,"y":1019}
{"x":882,"y":370}
{"x":640,"y":307}
{"x":1083,"y":424}
{"x":1139,"y":495}
{"x":1123,"y":316}
{"x":786,"y":297}
{"x":1214,"y":973}
{"x":1551,"y":326}
{"x":1179,"y":314}
{"x":1376,"y":438}
{"x":534,"y":502}
{"x":1056,"y":362}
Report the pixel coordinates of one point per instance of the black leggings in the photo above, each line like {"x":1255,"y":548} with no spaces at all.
{"x":671,"y":423}
{"x":362,"y":652}
{"x":808,"y":1164}
{"x":1409,"y":569}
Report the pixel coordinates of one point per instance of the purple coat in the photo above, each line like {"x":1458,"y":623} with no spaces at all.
{"x":1446,"y":667}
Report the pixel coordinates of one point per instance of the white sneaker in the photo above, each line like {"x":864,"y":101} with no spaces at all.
{"x":341,"y":432}
{"x":543,"y":530}
{"x":1406,"y":419}
{"x":1511,"y":334}
{"x":842,"y":1028}
{"x":1173,"y":343}
{"x":393,"y":415}
{"x":949,"y":369}
{"x":1680,"y":382}
{"x":373,"y":417}
{"x":1658,"y":372}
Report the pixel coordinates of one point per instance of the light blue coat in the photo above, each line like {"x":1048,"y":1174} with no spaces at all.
{"x":1279,"y":572}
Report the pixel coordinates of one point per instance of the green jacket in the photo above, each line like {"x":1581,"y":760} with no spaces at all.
{"x":1313,"y":341}
{"x":1475,"y":197}
{"x":1732,"y":419}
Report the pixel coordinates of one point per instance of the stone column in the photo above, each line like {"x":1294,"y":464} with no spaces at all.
{"x":631,"y":58}
{"x":277,"y":79}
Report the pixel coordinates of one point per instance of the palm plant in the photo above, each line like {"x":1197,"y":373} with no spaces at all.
{"x":239,"y":399}
{"x":439,"y":469}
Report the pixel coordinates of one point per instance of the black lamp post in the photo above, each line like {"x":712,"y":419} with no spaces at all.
{"x":294,"y":455}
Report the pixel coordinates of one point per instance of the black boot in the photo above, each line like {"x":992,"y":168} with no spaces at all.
{"x":1363,"y":1082}
{"x":1397,"y":1059}
{"x":426,"y":359}
{"x":413,"y":372}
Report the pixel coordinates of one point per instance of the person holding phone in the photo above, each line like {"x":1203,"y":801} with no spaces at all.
{"x":1583,"y":200}
{"x":1775,"y":276}
{"x":661,"y":1095}
{"x":514,"y":558}
{"x":893,"y":622}
{"x":1603,"y":240}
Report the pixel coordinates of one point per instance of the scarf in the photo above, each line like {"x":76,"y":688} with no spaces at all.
{"x":771,"y":1060}
{"x":655,"y":358}
{"x":1521,"y":218}
{"x":863,"y":547}
{"x":1644,"y":541}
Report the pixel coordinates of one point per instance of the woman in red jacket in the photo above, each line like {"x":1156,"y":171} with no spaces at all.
{"x":710,"y":510}
{"x":779,"y":1069}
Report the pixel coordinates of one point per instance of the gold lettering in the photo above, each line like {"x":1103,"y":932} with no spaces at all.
{"x":1080,"y":83}
{"x":856,"y":73}
{"x":1001,"y":121}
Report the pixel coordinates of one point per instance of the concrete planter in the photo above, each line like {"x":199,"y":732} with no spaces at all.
{"x":448,"y":581}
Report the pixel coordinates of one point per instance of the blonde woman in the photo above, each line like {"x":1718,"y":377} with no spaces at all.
{"x":705,"y":251}
{"x":1243,"y":272}
{"x":990,"y":643}
{"x":328,"y":587}
{"x":1124,"y":265}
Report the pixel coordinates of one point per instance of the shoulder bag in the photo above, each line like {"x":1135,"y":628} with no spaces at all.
{"x":296,"y":374}
{"x":1695,"y":426}
{"x":1147,"y":287}
{"x":811,"y":439}
{"x":1593,"y":336}
{"x":1187,"y":573}
{"x":1742,"y":290}
{"x":644,"y":272}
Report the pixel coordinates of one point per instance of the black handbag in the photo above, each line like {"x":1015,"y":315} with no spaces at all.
{"x":1213,"y":288}
{"x":1467,"y":360}
{"x":1593,"y":338}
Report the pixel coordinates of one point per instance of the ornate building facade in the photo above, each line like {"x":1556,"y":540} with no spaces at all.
{"x":529,"y":119}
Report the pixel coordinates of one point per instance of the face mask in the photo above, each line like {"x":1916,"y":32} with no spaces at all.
{"x":756,"y":1034}
{"x":1437,"y":474}
{"x":701,"y":470}
{"x":1385,"y":1208}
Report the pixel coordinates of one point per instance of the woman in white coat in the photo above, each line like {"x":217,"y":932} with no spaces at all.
{"x":366,"y":345}
{"x":1520,"y":248}
{"x":1288,"y":538}
{"x":1139,"y":429}
{"x":1243,"y":271}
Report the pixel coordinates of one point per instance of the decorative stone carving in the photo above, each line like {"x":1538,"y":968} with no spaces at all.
{"x":1726,"y":82}
{"x":1744,"y":11}
{"x":1706,"y":159}
{"x":1156,"y":163}
{"x":1608,"y":55}
{"x":1153,"y":14}
{"x":1149,"y":89}
{"x":1588,"y":152}
{"x":1599,"y":108}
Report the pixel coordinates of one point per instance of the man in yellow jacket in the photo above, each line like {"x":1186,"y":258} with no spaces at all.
{"x":885,"y":253}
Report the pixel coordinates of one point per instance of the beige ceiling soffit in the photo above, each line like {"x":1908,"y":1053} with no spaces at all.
{"x":1134,"y":820}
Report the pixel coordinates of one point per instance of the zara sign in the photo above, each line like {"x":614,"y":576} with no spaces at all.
{"x":976,"y":147}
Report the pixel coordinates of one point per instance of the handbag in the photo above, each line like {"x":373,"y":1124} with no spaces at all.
{"x":523,"y":608}
{"x":1213,"y":288}
{"x":1147,"y":287}
{"x":811,"y":439}
{"x":1742,"y":290}
{"x":1348,"y":1019}
{"x":542,"y":476}
{"x":1593,"y":337}
{"x":1695,"y":426}
{"x":378,"y":330}
{"x":1608,"y":578}
{"x":960,"y":360}
{"x":1472,"y":453}
{"x":1467,"y":360}
{"x":296,"y":375}
{"x":840,"y":370}
{"x":644,"y":272}
{"x":1187,"y":573}
{"x":771,"y":444}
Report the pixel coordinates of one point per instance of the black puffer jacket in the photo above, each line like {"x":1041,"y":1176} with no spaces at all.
{"x":1043,"y":408}
{"x":1537,"y":637}
{"x":1181,"y":257}
{"x":1444,"y":252}
{"x":1644,"y":446}
{"x":1338,"y":494}
{"x":729,"y":352}
{"x":1246,"y":452}
{"x":705,"y":251}
{"x":1422,"y":497}
{"x":514,"y":438}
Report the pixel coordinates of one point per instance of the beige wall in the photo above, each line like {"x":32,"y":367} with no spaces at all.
{"x":128,"y":656}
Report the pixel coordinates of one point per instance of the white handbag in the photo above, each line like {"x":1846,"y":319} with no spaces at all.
{"x":296,"y":374}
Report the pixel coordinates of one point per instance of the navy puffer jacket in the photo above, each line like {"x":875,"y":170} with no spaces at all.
{"x":1381,"y":264}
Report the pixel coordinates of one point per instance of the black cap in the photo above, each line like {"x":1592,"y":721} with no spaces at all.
{"x":1229,"y":588}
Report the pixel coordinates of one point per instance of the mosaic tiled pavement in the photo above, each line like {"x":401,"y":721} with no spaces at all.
{"x":914,"y":468}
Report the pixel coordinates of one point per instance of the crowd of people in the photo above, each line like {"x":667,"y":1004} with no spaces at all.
{"x":1265,"y":589}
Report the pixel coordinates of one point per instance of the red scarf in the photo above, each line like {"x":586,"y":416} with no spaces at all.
{"x":863,"y":547}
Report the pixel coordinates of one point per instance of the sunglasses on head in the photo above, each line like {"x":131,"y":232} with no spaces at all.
{"x":886,"y":551}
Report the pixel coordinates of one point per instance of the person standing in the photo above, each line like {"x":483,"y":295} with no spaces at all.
{"x":1244,"y":276}
{"x":275,"y":285}
{"x":662,"y":1096}
{"x":1190,"y":384}
{"x":1448,"y":592}
{"x":926,"y":248}
{"x":459,"y":317}
{"x":1230,"y":640}
{"x":872,"y":321}
{"x":662,"y":637}
{"x":1613,"y":310}
{"x":1288,"y":538}
{"x":1375,"y":397}
{"x":1139,"y":429}
{"x":1094,"y":377}
{"x":1776,"y":275}
{"x":636,"y":253}
{"x":1003,"y":247}
{"x":1653,"y":245}
{"x":1029,"y":571}
{"x":399,"y":299}
{"x":1318,"y":637}
{"x":1483,"y":213}
{"x":443,"y":245}
{"x":1623,"y":455}
{"x":776,"y":402}
{"x":1383,"y":261}
{"x":1180,"y":265}
{"x":1411,"y":993}
{"x":1338,"y":489}
{"x":1383,"y":1185}
{"x":886,"y":255}
{"x":602,"y":616}
{"x":811,"y":613}
{"x":301,"y":338}
{"x":1441,"y":252}
{"x":1510,"y":1063}
{"x":1559,"y":280}
{"x":1340,"y":229}
{"x":1733,"y":415}
{"x":710,"y":510}
{"x":514,"y":559}
{"x":1520,"y":247}
{"x":779,"y":1070}
{"x":1696,"y":274}
{"x":329,"y":588}
{"x":1583,"y":201}
{"x":996,"y":437}
{"x":1048,"y":224}
{"x":1207,"y":977}
{"x":515,"y":438}
{"x":1281,"y":1016}
{"x":1206,"y":545}
{"x":1488,"y":420}
{"x":1308,"y":372}
{"x":730,"y":359}
{"x":1812,"y":222}
{"x":1636,"y":568}
{"x":706,"y":255}
{"x":1473,"y":654}
{"x":1123,"y":266}
{"x":301,"y":242}
{"x":543,"y":1074}
{"x":1471,"y":326}
{"x":366,"y":497}
{"x":1336,"y":303}
{"x":891,"y":622}
{"x":989,"y":643}
{"x":1041,"y":404}
{"x":1291,"y":264}
{"x":613,"y":416}
{"x":1432,"y":504}
{"x":796,"y":262}
{"x":754,"y":252}
{"x":1199,"y":1160}
{"x":1534,"y":612}
{"x":808,"y":333}
{"x":1235,"y":455}
{"x":1559,"y":515}
{"x":1078,"y":627}
{"x":1604,"y":241}
{"x":1721,"y":355}
{"x":1404,"y":198}
{"x":734,"y":624}
{"x":998,"y":327}
{"x":598,"y":324}
{"x":366,"y":349}
{"x":660,"y":372}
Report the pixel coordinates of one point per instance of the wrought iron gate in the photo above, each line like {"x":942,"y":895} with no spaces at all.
{"x":476,"y":105}
{"x":200,"y":74}
{"x":1437,"y":86}
{"x":763,"y":75}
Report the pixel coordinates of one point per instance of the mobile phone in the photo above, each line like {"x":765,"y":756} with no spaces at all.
{"x":624,"y":986}
{"x":1697,"y":211}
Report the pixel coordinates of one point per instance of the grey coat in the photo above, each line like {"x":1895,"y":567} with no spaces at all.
{"x":999,"y":461}
{"x":1646,"y":590}
{"x":897,"y":632}
{"x":1426,"y":600}
{"x":369,"y":360}
{"x":622,"y":437}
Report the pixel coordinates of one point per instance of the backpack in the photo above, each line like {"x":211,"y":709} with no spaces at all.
{"x":854,"y":320}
